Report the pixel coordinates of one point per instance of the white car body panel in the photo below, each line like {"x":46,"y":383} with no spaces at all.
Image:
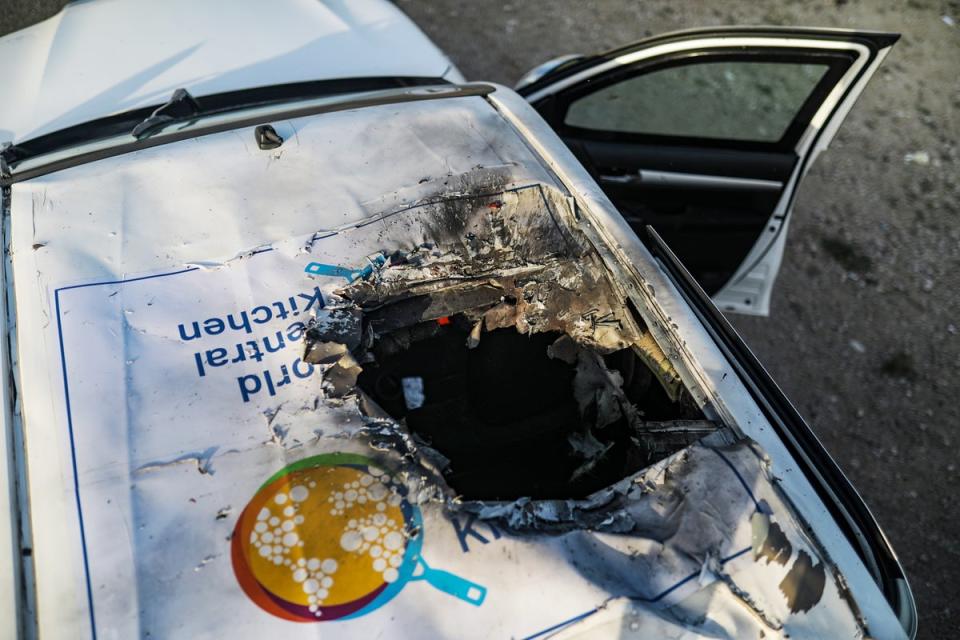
{"x":207,"y":202}
{"x":95,"y":58}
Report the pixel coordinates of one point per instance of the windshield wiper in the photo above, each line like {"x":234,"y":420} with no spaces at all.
{"x":180,"y":107}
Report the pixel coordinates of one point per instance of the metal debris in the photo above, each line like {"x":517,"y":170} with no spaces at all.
{"x":412,"y":392}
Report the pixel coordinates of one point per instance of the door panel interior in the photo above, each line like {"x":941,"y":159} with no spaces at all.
{"x":742,"y":113}
{"x":710,"y":224}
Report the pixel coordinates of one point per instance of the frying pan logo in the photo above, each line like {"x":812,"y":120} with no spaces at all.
{"x":333,"y":537}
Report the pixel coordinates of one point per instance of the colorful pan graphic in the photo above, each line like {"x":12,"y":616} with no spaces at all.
{"x":333,"y":537}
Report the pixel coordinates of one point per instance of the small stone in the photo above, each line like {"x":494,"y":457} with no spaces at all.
{"x":857,"y":346}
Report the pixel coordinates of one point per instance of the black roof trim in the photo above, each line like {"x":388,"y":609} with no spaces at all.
{"x":121,"y":123}
{"x":369,"y":99}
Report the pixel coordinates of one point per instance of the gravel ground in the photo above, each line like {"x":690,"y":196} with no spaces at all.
{"x":863,"y":334}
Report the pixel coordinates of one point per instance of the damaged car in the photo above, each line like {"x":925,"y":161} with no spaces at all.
{"x":314,"y":338}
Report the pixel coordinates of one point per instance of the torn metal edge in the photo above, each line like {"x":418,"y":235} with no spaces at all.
{"x":386,"y":433}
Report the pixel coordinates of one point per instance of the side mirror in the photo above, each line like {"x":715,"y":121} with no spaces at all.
{"x":546,"y":68}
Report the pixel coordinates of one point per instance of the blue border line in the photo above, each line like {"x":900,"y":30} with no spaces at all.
{"x":559,"y":625}
{"x":743,"y":482}
{"x":656,"y":598}
{"x":680,"y":583}
{"x":73,"y":450}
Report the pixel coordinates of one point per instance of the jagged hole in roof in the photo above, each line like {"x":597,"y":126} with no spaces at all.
{"x":502,"y":346}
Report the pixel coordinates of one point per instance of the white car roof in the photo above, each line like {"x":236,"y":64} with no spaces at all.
{"x":143,"y":452}
{"x":97,"y":58}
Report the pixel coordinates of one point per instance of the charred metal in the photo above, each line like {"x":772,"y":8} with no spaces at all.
{"x":499,"y":342}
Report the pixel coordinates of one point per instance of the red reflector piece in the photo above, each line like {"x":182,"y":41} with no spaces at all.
{"x":444,"y":321}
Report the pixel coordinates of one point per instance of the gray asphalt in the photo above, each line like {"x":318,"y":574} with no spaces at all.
{"x":863,"y":334}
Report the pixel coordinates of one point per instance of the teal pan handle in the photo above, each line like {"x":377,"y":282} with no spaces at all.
{"x":332,"y":271}
{"x":336,"y":271}
{"x":452,"y":584}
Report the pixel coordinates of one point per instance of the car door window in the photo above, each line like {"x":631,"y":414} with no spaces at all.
{"x":731,"y":99}
{"x":704,"y":136}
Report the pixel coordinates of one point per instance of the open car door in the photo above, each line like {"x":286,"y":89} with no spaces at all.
{"x":706,"y":134}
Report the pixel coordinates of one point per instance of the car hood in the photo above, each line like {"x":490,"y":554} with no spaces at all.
{"x":102,"y":57}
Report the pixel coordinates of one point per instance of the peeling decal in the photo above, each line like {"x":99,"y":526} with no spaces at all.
{"x":803,"y":584}
{"x":769,"y":541}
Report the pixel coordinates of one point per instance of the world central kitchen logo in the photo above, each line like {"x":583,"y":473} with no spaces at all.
{"x":248,"y":336}
{"x":333,"y":537}
{"x":236,"y":338}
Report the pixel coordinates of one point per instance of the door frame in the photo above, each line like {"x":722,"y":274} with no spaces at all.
{"x":750,"y":288}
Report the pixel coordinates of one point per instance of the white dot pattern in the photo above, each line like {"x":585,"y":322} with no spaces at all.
{"x":380,"y":538}
{"x":314,"y":575}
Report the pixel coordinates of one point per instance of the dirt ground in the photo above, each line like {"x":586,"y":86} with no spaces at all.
{"x":863,"y":334}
